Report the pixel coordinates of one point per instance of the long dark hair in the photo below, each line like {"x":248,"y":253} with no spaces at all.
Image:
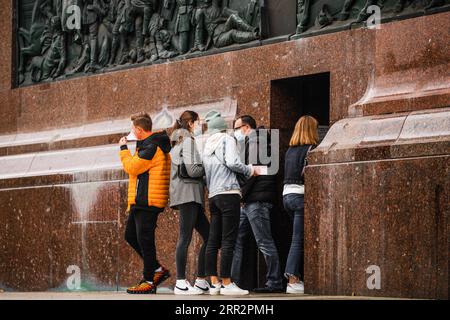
{"x":187,"y":117}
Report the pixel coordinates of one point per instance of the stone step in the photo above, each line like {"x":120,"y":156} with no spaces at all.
{"x":61,"y":166}
{"x":84,"y":153}
{"x":104,"y":132}
{"x":93,"y":134}
{"x":392,"y":136}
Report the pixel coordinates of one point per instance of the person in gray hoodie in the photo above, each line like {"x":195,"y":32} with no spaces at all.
{"x":223,"y":165}
{"x":187,"y":196}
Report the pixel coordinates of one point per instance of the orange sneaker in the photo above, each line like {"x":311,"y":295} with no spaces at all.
{"x":161,"y":276}
{"x":142,"y":288}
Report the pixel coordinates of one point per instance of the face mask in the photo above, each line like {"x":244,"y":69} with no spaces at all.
{"x":239,"y":135}
{"x":197,"y":130}
{"x":131,"y":137}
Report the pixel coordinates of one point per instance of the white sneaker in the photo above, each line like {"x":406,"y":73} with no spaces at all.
{"x":183,"y":287}
{"x":298,"y":288}
{"x":233,"y":290}
{"x":215,"y":289}
{"x":202,"y":285}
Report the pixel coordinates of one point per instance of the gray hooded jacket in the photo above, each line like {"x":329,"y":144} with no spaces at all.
{"x":222,"y":162}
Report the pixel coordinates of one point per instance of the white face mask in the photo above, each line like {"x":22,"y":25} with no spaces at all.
{"x":197,"y":129}
{"x":239,"y":135}
{"x":132,"y":137}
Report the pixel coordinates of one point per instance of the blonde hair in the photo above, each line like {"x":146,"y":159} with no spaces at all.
{"x":305,"y":132}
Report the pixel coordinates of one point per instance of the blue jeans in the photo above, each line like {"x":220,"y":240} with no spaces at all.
{"x":294,"y":205}
{"x":255,"y":216}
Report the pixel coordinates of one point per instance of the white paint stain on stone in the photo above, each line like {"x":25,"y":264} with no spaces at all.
{"x":84,"y":197}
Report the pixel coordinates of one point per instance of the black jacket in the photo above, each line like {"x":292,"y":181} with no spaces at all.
{"x":294,"y":163}
{"x":260,"y":188}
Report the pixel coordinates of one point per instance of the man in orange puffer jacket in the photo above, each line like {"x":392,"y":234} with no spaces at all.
{"x":148,"y":193}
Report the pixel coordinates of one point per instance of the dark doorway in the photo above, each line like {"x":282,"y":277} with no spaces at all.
{"x":292,"y":98}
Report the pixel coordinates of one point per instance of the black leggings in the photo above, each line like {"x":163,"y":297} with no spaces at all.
{"x":225,"y":212}
{"x":192,"y":216}
{"x":140,"y":234}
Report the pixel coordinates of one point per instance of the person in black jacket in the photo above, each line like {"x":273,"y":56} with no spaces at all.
{"x":303,"y":140}
{"x":258,"y":194}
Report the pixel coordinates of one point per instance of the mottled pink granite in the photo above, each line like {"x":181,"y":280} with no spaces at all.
{"x":377,"y":189}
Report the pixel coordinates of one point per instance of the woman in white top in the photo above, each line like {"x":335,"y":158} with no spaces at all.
{"x":304,"y":138}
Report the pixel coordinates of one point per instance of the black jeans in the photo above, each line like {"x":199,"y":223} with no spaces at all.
{"x":192,"y":216}
{"x":225,"y":211}
{"x":140,"y":234}
{"x":294,"y":205}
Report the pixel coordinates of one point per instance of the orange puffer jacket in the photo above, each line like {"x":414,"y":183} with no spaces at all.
{"x":149,"y":171}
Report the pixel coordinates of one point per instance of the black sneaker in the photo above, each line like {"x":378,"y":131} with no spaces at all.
{"x":268,"y":290}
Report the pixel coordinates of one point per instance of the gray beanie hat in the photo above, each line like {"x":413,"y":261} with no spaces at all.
{"x":215,"y":121}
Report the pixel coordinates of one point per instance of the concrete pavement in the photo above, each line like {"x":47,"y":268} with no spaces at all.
{"x":164,"y":295}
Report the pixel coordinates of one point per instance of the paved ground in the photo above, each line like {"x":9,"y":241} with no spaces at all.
{"x":113,"y":295}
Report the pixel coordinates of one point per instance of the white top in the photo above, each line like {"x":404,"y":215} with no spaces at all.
{"x":232,"y":192}
{"x":293,"y":188}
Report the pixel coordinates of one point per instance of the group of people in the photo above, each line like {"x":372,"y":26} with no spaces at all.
{"x":200,"y":153}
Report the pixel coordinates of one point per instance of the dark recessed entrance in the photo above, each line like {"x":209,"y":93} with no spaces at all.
{"x":291,"y":98}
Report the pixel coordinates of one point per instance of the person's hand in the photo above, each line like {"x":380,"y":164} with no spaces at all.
{"x":123,"y":141}
{"x":256,"y":172}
